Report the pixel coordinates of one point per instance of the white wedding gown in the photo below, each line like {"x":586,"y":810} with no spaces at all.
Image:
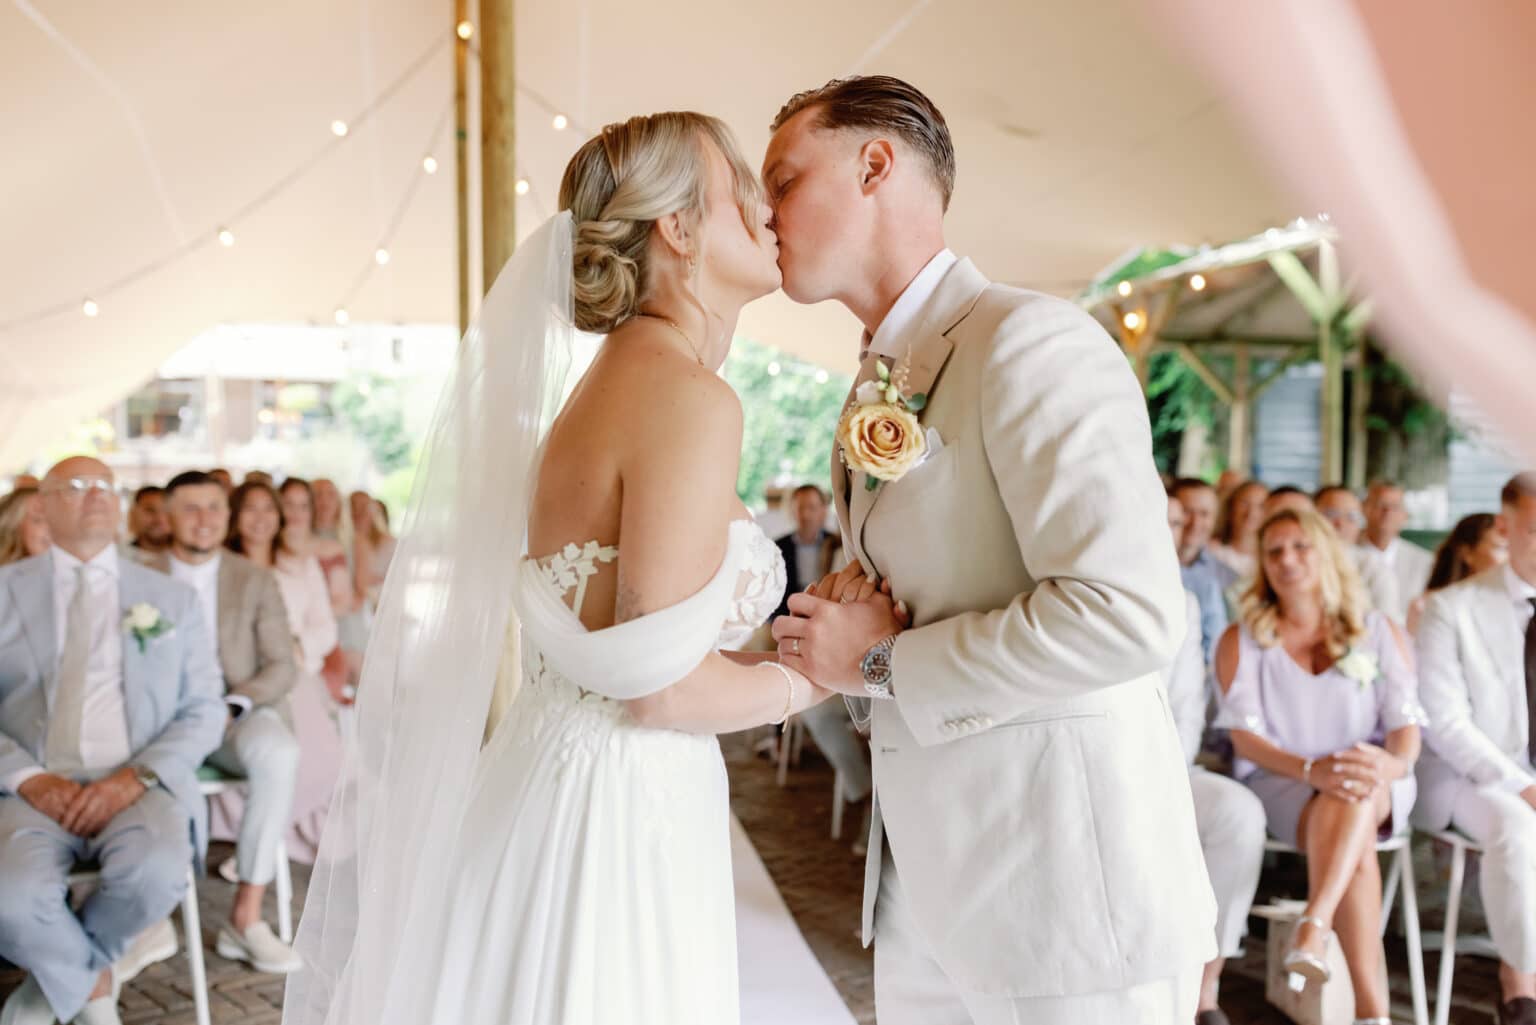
{"x":592,"y":881}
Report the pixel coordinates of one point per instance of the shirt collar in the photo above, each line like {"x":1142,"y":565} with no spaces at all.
{"x":65,"y":564}
{"x":909,"y":305}
{"x":1520,"y":592}
{"x":207,"y":569}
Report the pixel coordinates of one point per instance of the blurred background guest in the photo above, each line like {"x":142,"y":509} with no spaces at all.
{"x":23,"y":527}
{"x":301,"y":538}
{"x":1203,"y":576}
{"x":1475,"y":545}
{"x":1339,"y":506}
{"x":1237,"y":535}
{"x":222,"y":478}
{"x":808,"y":550}
{"x":149,"y":526}
{"x":1385,"y":516}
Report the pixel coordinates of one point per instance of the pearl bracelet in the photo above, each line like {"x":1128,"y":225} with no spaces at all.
{"x":789,"y":700}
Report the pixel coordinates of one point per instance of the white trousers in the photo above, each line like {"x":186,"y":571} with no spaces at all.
{"x":1230,"y":820}
{"x":911,"y":988}
{"x":1504,"y":826}
{"x":263,"y":749}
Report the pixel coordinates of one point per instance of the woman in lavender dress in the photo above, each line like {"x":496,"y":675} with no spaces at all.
{"x":1322,"y":704}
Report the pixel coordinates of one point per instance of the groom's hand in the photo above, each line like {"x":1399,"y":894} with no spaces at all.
{"x":844,"y":585}
{"x":827,"y":640}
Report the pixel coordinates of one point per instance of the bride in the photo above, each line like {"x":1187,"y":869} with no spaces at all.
{"x":576,"y":870}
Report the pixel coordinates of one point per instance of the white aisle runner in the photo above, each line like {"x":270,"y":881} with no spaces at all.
{"x":782,"y":983}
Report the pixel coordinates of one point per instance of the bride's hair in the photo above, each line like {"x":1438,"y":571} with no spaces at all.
{"x":621,"y":182}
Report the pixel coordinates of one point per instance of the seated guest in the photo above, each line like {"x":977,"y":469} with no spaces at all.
{"x":222,"y":478}
{"x":103,"y":724}
{"x":1322,"y":705}
{"x":301,"y":539}
{"x":258,"y":477}
{"x":258,"y":531}
{"x":333,"y":524}
{"x":1286,"y":496}
{"x":1228,"y":817}
{"x":1477,"y":661}
{"x":1203,"y":576}
{"x":1339,"y":506}
{"x":23,"y":527}
{"x":1237,"y":535}
{"x":1475,"y":545}
{"x":1385,"y":517}
{"x":253,"y":646}
{"x":375,"y":550}
{"x":149,"y":528}
{"x":808,"y":549}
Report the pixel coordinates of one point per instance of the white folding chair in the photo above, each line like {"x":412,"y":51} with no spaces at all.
{"x":791,"y":740}
{"x":213,"y":781}
{"x":192,"y":936}
{"x":1400,"y":871}
{"x":1460,"y":847}
{"x":838,"y":800}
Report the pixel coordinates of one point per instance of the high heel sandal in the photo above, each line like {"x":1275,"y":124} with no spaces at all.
{"x":1302,"y":967}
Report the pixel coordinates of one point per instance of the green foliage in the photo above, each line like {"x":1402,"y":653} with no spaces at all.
{"x":1176,"y":398}
{"x":374,"y":407}
{"x":789,"y":418}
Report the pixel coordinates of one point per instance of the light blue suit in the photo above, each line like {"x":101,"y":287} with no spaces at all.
{"x":173,"y":701}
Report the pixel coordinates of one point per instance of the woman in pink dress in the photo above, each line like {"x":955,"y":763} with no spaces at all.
{"x":258,"y":531}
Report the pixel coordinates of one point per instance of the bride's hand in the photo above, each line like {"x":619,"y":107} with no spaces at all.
{"x":847,"y":585}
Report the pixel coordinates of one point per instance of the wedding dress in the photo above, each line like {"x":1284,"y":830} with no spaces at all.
{"x":593,"y":880}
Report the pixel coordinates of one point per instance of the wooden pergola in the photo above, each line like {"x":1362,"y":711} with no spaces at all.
{"x":1278,"y":297}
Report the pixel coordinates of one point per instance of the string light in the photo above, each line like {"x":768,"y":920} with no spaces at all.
{"x":521,"y":188}
{"x":89,"y":308}
{"x":1132,"y":321}
{"x":1197,"y":282}
{"x":339,"y":129}
{"x":429,"y":164}
{"x":1124,"y":288}
{"x":226,"y":237}
{"x":774,"y":369}
{"x":465,"y":30}
{"x":381,"y":256}
{"x":342,"y":316}
{"x":822,"y":377}
{"x":560,"y":122}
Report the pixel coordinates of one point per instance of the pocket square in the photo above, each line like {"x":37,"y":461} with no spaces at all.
{"x":933,"y":445}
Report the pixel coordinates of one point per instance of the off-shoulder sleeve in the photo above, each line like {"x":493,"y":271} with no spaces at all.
{"x":1397,"y":691}
{"x":1242,"y":707}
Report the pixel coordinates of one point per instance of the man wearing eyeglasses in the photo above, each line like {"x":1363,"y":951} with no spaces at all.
{"x":1339,"y":506}
{"x":109,"y":701}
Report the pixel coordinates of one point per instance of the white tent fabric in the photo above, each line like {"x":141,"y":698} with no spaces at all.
{"x":135,"y":131}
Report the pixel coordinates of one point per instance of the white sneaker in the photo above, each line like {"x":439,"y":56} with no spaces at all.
{"x":259,"y":947}
{"x":228,"y":871}
{"x":27,"y":1006}
{"x":153,"y":945}
{"x":101,"y":1011}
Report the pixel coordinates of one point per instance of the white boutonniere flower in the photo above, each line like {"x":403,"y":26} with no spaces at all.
{"x":879,"y":434}
{"x":145,"y":623}
{"x":1361,"y":666}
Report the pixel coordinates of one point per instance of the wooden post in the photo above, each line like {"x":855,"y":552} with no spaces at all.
{"x":461,"y":153}
{"x":1360,"y":400}
{"x":1240,"y":421}
{"x":1332,"y":403}
{"x":498,"y":152}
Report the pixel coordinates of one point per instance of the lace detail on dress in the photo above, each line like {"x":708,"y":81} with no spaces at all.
{"x":571,"y":567}
{"x":761,"y":588}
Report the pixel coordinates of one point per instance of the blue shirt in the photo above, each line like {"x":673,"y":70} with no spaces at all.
{"x":1208,"y":580}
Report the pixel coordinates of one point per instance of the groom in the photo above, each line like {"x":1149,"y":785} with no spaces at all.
{"x":1033,"y":856}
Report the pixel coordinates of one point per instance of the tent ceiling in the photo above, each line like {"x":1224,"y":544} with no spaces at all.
{"x":133,"y":130}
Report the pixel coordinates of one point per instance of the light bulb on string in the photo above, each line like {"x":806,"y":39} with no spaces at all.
{"x":774,"y":369}
{"x":339,"y":129}
{"x":342,"y":316}
{"x":89,"y":308}
{"x":226,"y":237}
{"x":429,"y":164}
{"x":1124,"y":288}
{"x":381,"y":256}
{"x":1197,"y":282}
{"x":465,"y":30}
{"x":1132,"y":321}
{"x":521,"y":187}
{"x":560,"y":122}
{"x":822,"y":377}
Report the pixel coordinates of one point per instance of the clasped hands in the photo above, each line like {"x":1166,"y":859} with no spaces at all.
{"x":1357,"y":773}
{"x":834,"y":623}
{"x":82,"y":809}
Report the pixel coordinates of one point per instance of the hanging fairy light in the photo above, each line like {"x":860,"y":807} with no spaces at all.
{"x":822,"y":377}
{"x":89,"y":308}
{"x":1197,"y":282}
{"x":226,"y":237}
{"x":381,"y":256}
{"x":342,"y":316}
{"x":429,"y":164}
{"x":1124,"y":288}
{"x":1132,"y":321}
{"x":774,"y":369}
{"x":560,"y":122}
{"x":339,"y":129}
{"x":465,"y":30}
{"x":521,"y":187}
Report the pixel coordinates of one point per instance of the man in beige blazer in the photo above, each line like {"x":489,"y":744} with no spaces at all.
{"x":1033,"y":855}
{"x":255,"y":649}
{"x":1477,"y":673}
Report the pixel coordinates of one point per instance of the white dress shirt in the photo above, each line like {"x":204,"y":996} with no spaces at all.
{"x":103,"y":718}
{"x":204,"y":579}
{"x":890,"y":338}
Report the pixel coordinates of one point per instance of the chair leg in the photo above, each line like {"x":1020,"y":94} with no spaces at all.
{"x":1415,"y":941}
{"x":284,"y":895}
{"x":1448,"y":948}
{"x":837,"y":806}
{"x":1389,"y":887}
{"x":798,"y":732}
{"x":784,"y":751}
{"x":192,"y":926}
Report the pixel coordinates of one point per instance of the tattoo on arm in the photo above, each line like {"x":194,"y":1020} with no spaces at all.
{"x":627,"y":606}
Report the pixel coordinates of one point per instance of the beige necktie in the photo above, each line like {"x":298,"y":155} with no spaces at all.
{"x":61,"y":753}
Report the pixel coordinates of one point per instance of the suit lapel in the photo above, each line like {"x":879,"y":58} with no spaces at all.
{"x":32,"y":592}
{"x":1495,"y":616}
{"x":231,"y":603}
{"x":848,"y":484}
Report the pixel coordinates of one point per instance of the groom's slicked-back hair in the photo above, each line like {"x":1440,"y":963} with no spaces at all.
{"x":880,"y":103}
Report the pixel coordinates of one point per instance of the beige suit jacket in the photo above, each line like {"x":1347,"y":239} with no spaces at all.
{"x":256,"y":650}
{"x":1029,"y":777}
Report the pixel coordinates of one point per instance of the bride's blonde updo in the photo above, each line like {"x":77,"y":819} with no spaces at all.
{"x":625,"y":179}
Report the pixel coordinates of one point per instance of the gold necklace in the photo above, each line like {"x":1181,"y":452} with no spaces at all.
{"x":673,"y":325}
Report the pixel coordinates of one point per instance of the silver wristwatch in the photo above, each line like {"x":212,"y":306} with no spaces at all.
{"x":877,"y":669}
{"x":148,"y":778}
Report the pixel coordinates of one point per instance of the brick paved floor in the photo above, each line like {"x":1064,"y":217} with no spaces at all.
{"x":821,"y":881}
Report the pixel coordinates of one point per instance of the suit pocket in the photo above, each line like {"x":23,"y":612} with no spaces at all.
{"x":934,"y":474}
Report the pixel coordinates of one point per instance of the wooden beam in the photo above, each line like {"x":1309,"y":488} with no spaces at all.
{"x":461,"y":155}
{"x":1262,"y":385}
{"x":498,"y":137}
{"x":1209,"y":377}
{"x":1332,"y":398}
{"x":1240,"y":417}
{"x":1360,"y":400}
{"x":1290,"y":270}
{"x":1302,"y":341}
